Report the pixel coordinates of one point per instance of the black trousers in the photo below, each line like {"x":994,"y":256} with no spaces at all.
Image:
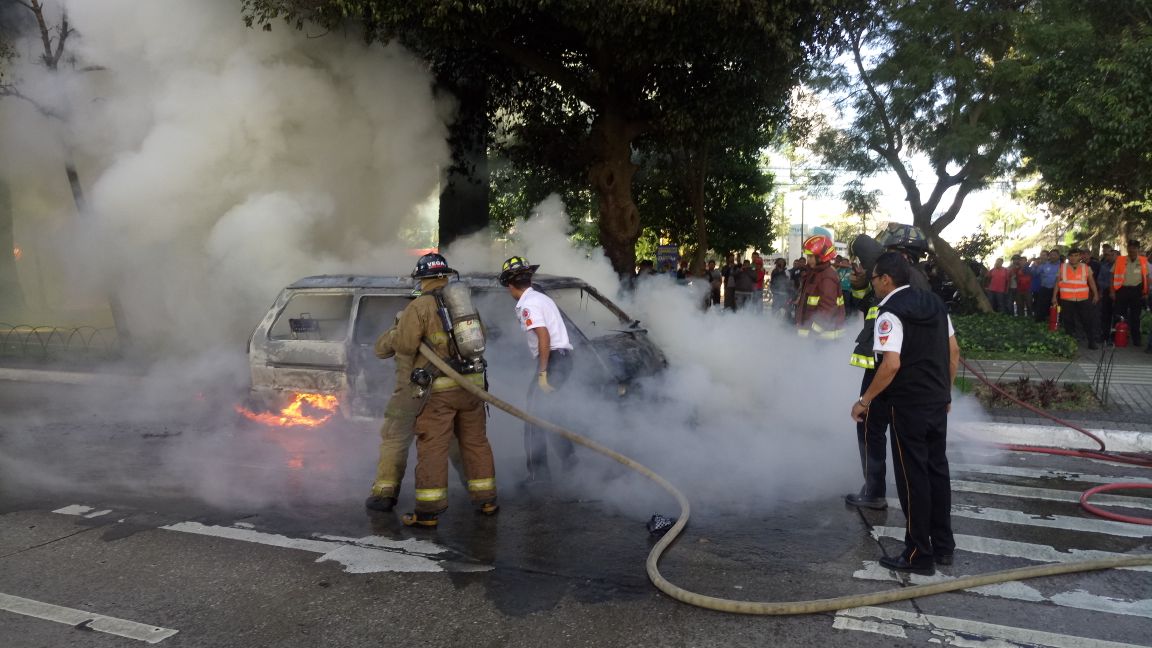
{"x":543,"y":405}
{"x":1080,"y":319}
{"x":1105,"y":316}
{"x":1130,"y":306}
{"x":1042,"y":303}
{"x":871,"y":435}
{"x":919,"y":437}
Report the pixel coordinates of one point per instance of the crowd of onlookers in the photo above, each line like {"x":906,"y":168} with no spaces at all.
{"x":1021,"y":287}
{"x":747,"y":283}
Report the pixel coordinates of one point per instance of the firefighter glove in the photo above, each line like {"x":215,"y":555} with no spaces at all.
{"x":542,"y":383}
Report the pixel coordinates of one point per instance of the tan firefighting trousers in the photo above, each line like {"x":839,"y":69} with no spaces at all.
{"x":448,"y":413}
{"x":396,"y":435}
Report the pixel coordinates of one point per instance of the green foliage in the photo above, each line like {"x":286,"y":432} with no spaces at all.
{"x":599,"y":78}
{"x":977,"y":246}
{"x":735,"y":207}
{"x":1087,"y":104}
{"x":995,"y":335}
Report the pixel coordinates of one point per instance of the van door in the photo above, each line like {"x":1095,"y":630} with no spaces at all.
{"x":371,"y":379}
{"x":305,"y":345}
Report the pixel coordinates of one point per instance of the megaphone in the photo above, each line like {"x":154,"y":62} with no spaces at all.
{"x":867,"y":249}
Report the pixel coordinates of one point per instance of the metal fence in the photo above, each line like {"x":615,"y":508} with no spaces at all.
{"x":79,"y":344}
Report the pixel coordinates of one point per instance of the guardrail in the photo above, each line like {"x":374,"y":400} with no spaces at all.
{"x":82,"y":343}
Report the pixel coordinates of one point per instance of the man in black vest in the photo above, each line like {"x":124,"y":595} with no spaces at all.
{"x":918,"y":357}
{"x":871,"y":432}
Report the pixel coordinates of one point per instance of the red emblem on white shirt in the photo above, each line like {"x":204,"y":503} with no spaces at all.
{"x":885,"y":327}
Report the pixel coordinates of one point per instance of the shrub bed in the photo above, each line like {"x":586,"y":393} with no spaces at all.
{"x":993,"y":335}
{"x":1045,"y":394}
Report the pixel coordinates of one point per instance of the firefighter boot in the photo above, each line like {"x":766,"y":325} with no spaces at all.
{"x":378,"y":503}
{"x":418,"y":519}
{"x":488,"y":508}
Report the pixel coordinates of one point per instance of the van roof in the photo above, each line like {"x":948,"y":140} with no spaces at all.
{"x":484,"y":279}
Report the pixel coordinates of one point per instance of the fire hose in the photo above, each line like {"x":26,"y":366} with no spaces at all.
{"x":774,"y":608}
{"x":1102,"y":454}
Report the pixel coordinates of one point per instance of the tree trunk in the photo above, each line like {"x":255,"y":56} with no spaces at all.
{"x":11,"y":293}
{"x":698,"y":172}
{"x":464,"y":207}
{"x":611,"y":179}
{"x":118,"y":320}
{"x":962,"y":276}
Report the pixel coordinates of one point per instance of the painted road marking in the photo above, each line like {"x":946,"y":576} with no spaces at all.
{"x":1014,"y":549}
{"x":370,"y":554}
{"x":1018,"y":591}
{"x":1063,"y":522}
{"x":88,"y":620}
{"x":1050,"y":494}
{"x":1035,"y":473}
{"x":958,"y":632}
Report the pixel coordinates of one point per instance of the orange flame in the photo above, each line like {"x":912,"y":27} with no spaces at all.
{"x":306,"y":410}
{"x":17,"y":253}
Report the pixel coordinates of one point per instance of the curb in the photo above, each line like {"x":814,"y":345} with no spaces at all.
{"x":1052,"y":437}
{"x":68,"y":377}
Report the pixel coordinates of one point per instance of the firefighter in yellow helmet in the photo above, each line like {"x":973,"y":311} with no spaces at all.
{"x":820,"y":305}
{"x":449,"y":408}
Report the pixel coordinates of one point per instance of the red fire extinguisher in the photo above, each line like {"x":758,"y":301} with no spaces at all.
{"x":1121,"y":335}
{"x":1053,"y":317}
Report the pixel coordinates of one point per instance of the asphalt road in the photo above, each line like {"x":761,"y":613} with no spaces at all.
{"x":176,"y":524}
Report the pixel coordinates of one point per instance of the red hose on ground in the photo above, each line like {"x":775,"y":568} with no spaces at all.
{"x":1132,"y":458}
{"x":1112,"y":516}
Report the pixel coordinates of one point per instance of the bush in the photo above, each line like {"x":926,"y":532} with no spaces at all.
{"x":994,"y":334}
{"x":1046,"y":394}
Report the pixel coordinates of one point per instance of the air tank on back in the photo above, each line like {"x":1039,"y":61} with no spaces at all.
{"x":465,"y":321}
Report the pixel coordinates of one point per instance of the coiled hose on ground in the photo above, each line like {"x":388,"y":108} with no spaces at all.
{"x":771,"y":607}
{"x":1102,"y":454}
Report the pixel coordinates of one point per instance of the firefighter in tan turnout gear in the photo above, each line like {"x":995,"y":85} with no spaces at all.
{"x":448,"y":409}
{"x":397,"y":431}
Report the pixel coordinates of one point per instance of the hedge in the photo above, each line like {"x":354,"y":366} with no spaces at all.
{"x":994,"y":334}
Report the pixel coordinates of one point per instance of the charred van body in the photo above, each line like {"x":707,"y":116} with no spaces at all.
{"x":318,"y":337}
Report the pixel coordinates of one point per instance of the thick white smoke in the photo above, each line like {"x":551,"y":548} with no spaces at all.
{"x":222,"y":162}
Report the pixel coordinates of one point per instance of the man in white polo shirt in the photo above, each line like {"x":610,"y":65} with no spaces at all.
{"x":548,"y":340}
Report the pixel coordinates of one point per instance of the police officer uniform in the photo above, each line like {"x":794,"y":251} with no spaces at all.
{"x":448,"y":410}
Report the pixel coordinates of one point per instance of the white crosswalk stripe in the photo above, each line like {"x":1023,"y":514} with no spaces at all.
{"x":1007,"y":519}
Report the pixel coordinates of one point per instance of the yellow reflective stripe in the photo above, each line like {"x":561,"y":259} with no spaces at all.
{"x":859,"y":294}
{"x":438,"y":337}
{"x":444,"y":382}
{"x":816,"y":328}
{"x":431,"y":494}
{"x":803,"y":332}
{"x":873,"y":313}
{"x":814,"y":300}
{"x":832,"y":335}
{"x":840,"y":300}
{"x":862,"y":361}
{"x":482,"y":484}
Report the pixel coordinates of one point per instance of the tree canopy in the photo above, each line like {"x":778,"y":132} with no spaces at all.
{"x":634,"y":67}
{"x":1087,"y":101}
{"x":929,"y":80}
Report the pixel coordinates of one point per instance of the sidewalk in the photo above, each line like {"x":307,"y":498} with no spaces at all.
{"x":1128,"y":380}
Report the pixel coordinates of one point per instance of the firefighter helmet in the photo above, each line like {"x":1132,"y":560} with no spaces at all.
{"x":515,"y":266}
{"x":431,"y":265}
{"x":821,"y":247}
{"x":906,"y":238}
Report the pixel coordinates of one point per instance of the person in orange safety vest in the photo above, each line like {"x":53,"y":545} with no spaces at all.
{"x":1076,"y":294}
